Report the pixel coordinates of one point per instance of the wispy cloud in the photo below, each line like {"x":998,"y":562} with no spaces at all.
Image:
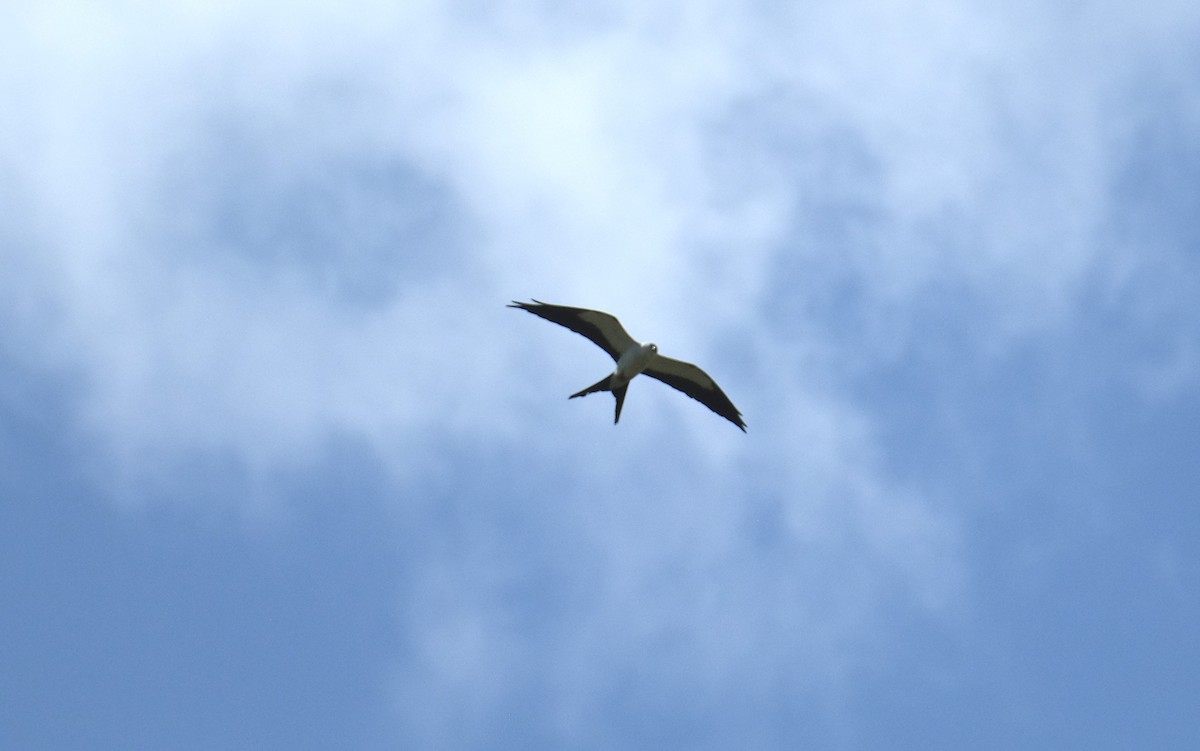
{"x":249,"y":229}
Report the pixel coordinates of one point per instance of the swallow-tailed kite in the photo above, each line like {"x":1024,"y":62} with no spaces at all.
{"x":633,"y":358}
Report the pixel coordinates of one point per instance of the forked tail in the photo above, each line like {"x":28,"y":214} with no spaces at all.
{"x":604,"y":384}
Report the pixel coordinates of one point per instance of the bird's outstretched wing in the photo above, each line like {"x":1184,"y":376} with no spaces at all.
{"x":697,"y":384}
{"x":603,"y":329}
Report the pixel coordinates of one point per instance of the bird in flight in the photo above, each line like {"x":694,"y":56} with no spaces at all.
{"x":632,"y":358}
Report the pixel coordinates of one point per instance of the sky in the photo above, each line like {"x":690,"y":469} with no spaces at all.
{"x":279,"y":469}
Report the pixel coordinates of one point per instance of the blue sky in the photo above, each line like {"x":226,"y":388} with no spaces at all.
{"x":278,"y":469}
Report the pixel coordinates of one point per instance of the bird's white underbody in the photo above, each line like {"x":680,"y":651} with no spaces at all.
{"x":633,"y":361}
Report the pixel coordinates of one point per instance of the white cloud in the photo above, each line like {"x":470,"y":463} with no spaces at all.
{"x":187,"y":240}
